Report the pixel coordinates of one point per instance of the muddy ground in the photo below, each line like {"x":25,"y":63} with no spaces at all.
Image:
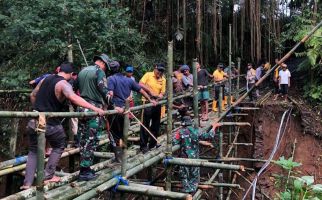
{"x":308,"y":146}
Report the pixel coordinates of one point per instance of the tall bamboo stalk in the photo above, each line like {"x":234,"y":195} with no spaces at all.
{"x":195,"y":93}
{"x":198,"y":30}
{"x":229,"y":69}
{"x":184,"y":15}
{"x":40,"y":157}
{"x":125,"y":137}
{"x":169,"y":113}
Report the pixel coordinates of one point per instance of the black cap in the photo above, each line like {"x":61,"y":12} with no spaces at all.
{"x":220,"y":65}
{"x":67,"y":68}
{"x":160,"y":67}
{"x":186,"y":121}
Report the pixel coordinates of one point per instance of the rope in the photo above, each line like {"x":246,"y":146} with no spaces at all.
{"x":141,"y":124}
{"x":166,"y":160}
{"x":276,"y":145}
{"x":120,"y":181}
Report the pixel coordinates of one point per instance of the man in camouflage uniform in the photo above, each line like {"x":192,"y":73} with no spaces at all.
{"x":92,"y":85}
{"x":188,"y":138}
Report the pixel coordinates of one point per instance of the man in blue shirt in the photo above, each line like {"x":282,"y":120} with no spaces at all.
{"x":120,"y":88}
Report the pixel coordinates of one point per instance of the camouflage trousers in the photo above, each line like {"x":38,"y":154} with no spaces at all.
{"x":88,"y":131}
{"x":190,"y":177}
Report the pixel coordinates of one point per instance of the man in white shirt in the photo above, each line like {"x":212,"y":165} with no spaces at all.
{"x":284,"y":81}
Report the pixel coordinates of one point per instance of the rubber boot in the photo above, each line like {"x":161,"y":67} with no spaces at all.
{"x":232,"y":99}
{"x":223,"y":106}
{"x":214,"y":106}
{"x":224,"y":102}
{"x":118,"y":151}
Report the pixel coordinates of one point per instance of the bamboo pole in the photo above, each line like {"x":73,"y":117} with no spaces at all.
{"x":16,"y":91}
{"x":229,"y":69}
{"x":202,"y":163}
{"x":13,"y":162}
{"x":220,"y":103}
{"x":204,"y":184}
{"x":141,"y":189}
{"x":125,"y":137}
{"x":195,"y":93}
{"x":238,"y":78}
{"x":235,"y":124}
{"x":41,"y":129}
{"x":104,"y":154}
{"x":184,"y":21}
{"x":221,"y":189}
{"x":169,"y":113}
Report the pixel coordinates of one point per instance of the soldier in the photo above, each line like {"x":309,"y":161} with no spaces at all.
{"x":92,"y":85}
{"x":188,"y":139}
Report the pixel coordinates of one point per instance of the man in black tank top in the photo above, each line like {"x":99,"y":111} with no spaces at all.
{"x":50,"y":96}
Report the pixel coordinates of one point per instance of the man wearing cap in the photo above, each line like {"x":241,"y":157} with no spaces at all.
{"x":219,"y":76}
{"x":188,"y":138}
{"x":155,"y":84}
{"x":129,"y":69}
{"x":284,"y":81}
{"x":50,"y":96}
{"x":120,"y":88}
{"x":92,"y":85}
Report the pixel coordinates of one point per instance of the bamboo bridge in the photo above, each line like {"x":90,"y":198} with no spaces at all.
{"x":119,"y":178}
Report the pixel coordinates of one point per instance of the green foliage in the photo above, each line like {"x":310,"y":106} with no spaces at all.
{"x":298,"y":27}
{"x":287,"y":164}
{"x":291,"y":187}
{"x":35,"y":35}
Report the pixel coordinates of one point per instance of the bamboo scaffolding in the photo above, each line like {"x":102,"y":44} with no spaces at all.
{"x":113,"y":181}
{"x":267,"y":74}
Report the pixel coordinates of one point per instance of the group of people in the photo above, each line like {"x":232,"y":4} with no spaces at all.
{"x":281,"y":79}
{"x":102,"y":86}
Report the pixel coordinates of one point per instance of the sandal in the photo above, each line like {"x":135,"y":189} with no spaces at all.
{"x":25,"y":187}
{"x":54,"y":179}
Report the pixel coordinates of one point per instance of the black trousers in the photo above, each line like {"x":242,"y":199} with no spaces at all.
{"x":217,"y":90}
{"x":251,"y":95}
{"x":116,"y":127}
{"x":151,"y":120}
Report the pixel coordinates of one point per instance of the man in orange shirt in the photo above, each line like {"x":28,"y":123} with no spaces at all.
{"x":219,"y":76}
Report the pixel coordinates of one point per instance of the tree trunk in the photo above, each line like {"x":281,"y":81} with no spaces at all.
{"x":198,"y":31}
{"x":242,"y":30}
{"x":214,"y":30}
{"x":220,"y":33}
{"x":184,"y":31}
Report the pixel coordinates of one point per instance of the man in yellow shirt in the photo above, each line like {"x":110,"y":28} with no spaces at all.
{"x":155,"y":84}
{"x":219,"y":76}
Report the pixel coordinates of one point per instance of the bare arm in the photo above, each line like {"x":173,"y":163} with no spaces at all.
{"x":146,"y":88}
{"x":34,"y":93}
{"x":68,"y":92}
{"x":147,"y":96}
